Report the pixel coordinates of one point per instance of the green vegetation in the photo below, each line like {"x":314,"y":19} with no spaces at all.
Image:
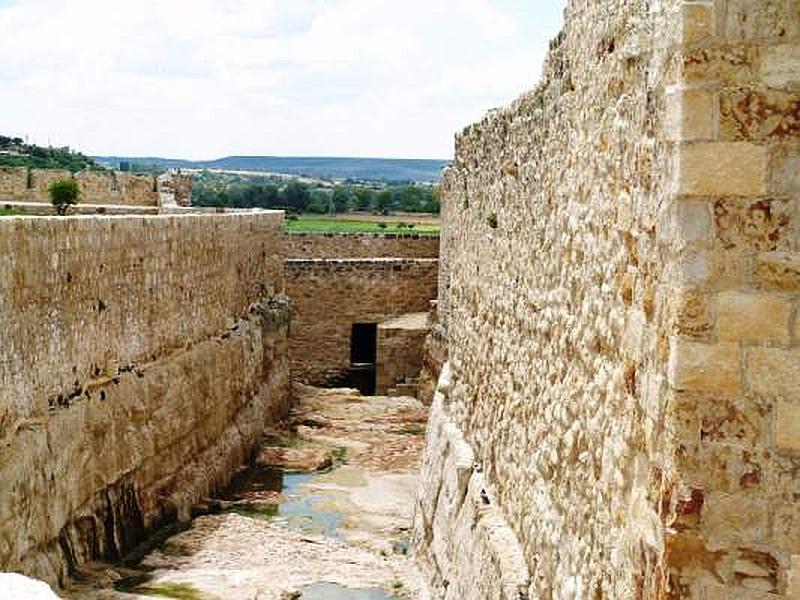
{"x":312,"y":196}
{"x":63,"y":194}
{"x":312,"y":224}
{"x":9,"y":212}
{"x":179,"y":591}
{"x":14,"y":152}
{"x":410,"y":429}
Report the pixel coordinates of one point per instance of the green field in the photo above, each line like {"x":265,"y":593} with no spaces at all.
{"x":5,"y":212}
{"x":306,"y":224}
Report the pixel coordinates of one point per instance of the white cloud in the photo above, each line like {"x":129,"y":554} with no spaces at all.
{"x":206,"y":78}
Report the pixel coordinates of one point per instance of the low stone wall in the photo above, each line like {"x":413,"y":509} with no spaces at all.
{"x":358,"y":245}
{"x":139,"y":359}
{"x":399,"y":355}
{"x":434,"y":355}
{"x":329,"y":296}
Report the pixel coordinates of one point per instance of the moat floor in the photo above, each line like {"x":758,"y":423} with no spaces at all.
{"x":336,"y":534}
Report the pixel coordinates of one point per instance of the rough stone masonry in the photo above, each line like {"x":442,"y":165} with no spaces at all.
{"x":21,"y":184}
{"x":620,"y":277}
{"x":140,"y":358}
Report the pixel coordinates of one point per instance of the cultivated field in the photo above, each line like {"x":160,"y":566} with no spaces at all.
{"x":363,"y":223}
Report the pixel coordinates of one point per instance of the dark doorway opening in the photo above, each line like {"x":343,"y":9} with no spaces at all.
{"x":363,"y":357}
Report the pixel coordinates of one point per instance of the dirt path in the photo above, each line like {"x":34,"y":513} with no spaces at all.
{"x":336,"y":534}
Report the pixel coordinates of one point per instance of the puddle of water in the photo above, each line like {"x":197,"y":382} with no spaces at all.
{"x":334,"y":591}
{"x":257,"y":490}
{"x":401,"y":546}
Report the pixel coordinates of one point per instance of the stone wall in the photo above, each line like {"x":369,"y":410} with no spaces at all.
{"x":13,"y":182}
{"x":174,"y":188}
{"x":139,"y":359}
{"x":352,"y":245}
{"x":97,"y":187}
{"x":619,"y":295}
{"x":399,"y":352}
{"x":39,"y":181}
{"x":328,"y":296}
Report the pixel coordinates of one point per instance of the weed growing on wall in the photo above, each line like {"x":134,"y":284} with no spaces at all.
{"x":63,"y":194}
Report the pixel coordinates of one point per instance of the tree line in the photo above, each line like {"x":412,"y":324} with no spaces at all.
{"x":297,"y":196}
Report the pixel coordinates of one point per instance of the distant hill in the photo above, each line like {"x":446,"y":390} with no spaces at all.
{"x":371,"y":169}
{"x":14,"y":152}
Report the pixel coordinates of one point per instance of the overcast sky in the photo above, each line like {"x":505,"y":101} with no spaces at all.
{"x":209,"y":78}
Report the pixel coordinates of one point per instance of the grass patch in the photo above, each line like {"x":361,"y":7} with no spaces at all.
{"x":339,"y":456}
{"x":179,"y":591}
{"x":410,"y":429}
{"x":312,"y":224}
{"x":8,"y":212}
{"x":283,"y":440}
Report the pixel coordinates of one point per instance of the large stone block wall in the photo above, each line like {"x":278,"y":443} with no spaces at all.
{"x":619,"y":291}
{"x":352,"y":245}
{"x":329,"y":295}
{"x":96,"y":187}
{"x":732,"y":401}
{"x":139,"y":359}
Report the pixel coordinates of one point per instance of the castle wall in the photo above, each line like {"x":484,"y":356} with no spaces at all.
{"x":619,"y":292}
{"x":96,"y":187}
{"x":328,"y":296}
{"x":140,"y":358}
{"x":359,"y":245}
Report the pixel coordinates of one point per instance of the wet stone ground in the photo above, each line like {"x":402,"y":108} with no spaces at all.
{"x":322,"y":514}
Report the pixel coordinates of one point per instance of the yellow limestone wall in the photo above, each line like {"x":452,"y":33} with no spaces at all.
{"x":620,"y":416}
{"x":140,"y":358}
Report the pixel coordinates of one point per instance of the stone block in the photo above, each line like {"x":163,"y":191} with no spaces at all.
{"x":697,"y":22}
{"x":786,"y":527}
{"x":693,"y":220}
{"x":740,"y":518}
{"x":716,"y":591}
{"x":726,"y":66}
{"x":760,"y":225}
{"x":787,"y":426}
{"x":774,"y":372}
{"x":691,"y":115}
{"x":778,"y":270}
{"x":759,"y":114}
{"x":695,"y":366}
{"x":793,"y":590}
{"x":693,"y":314}
{"x":695,"y":268}
{"x":763,"y":20}
{"x":784,"y":177}
{"x":780,"y":66}
{"x":752,"y":317}
{"x":722,"y":169}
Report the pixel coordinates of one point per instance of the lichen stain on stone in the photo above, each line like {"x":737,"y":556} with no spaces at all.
{"x":764,"y":225}
{"x":687,"y":553}
{"x":748,"y":114}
